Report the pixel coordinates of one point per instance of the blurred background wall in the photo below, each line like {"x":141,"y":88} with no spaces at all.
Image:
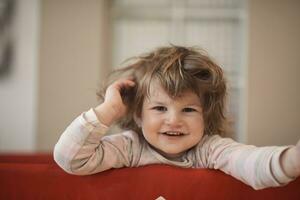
{"x":273,"y":72}
{"x":19,"y":68}
{"x":65,"y":48}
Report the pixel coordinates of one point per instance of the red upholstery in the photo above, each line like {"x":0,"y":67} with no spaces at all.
{"x":43,"y":179}
{"x":26,"y":158}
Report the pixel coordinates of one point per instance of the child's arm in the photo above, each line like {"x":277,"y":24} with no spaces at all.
{"x":82,"y":149}
{"x":259,"y":167}
{"x":290,"y":161}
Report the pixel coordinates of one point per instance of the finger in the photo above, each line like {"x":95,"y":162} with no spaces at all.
{"x":131,"y":82}
{"x":123,"y":83}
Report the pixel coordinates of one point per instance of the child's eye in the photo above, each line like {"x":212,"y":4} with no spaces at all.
{"x":160,"y":108}
{"x":189,"y":110}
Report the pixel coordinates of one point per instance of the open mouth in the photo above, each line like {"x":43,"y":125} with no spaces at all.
{"x":173,"y":134}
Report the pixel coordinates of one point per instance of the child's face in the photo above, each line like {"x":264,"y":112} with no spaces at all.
{"x":172,"y":126}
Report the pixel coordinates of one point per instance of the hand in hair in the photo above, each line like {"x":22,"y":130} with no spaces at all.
{"x":290,"y":161}
{"x":113,"y":107}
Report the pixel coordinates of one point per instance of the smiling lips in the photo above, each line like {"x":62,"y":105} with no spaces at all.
{"x":173,"y":133}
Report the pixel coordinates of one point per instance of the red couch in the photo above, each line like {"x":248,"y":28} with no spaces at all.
{"x":38,"y":177}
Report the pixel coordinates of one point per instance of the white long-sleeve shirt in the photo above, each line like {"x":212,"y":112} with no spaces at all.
{"x":84,"y":149}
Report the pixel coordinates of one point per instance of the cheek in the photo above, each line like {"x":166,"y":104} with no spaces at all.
{"x":149,"y":127}
{"x":197,"y":123}
{"x":149,"y":121}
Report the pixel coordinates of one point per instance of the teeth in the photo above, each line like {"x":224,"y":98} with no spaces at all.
{"x":174,"y":133}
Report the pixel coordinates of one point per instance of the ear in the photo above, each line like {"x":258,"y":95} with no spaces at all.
{"x":137,"y":120}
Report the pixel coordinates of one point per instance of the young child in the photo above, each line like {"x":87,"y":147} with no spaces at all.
{"x":170,"y":104}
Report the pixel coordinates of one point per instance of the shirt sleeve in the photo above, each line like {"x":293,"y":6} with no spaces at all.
{"x":258,"y":167}
{"x":84,"y":149}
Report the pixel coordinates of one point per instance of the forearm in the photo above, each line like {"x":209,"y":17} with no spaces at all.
{"x":259,"y":167}
{"x":290,"y":162}
{"x":82,"y":149}
{"x":80,"y":139}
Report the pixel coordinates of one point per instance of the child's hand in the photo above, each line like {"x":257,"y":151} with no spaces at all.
{"x":113,"y":106}
{"x":290,"y":161}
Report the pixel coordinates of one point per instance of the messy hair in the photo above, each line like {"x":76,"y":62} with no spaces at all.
{"x":177,"y":69}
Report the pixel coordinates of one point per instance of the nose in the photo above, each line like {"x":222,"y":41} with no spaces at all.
{"x":173,"y":119}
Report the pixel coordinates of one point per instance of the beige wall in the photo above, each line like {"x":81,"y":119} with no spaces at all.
{"x":274,"y":70}
{"x":71,"y":64}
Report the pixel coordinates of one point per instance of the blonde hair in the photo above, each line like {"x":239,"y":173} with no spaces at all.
{"x":177,"y":69}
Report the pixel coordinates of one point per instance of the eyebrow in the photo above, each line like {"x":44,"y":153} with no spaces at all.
{"x":196,"y":105}
{"x":162,"y":103}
